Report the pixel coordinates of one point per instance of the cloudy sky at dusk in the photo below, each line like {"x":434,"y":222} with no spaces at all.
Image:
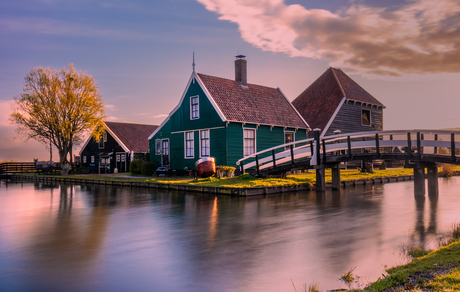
{"x":405,"y":53}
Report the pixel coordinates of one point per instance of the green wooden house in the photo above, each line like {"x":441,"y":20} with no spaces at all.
{"x":225,"y":119}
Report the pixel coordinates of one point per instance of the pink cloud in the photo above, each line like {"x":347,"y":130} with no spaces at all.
{"x":422,"y":37}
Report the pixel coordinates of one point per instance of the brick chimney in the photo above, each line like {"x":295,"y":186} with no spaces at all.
{"x":241,"y":73}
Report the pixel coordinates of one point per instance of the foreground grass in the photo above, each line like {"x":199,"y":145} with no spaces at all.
{"x":437,"y":271}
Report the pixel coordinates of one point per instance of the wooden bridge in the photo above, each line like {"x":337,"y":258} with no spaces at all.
{"x":420,"y":149}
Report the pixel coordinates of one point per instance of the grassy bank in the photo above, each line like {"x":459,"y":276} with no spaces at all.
{"x":246,"y":180}
{"x":437,"y":270}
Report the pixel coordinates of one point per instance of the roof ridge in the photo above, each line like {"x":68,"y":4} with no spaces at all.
{"x":275,"y":88}
{"x":130,"y":123}
{"x":338,"y":82}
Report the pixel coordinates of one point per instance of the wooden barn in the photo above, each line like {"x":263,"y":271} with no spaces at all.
{"x":225,"y":119}
{"x":334,"y":102}
{"x":119,"y":145}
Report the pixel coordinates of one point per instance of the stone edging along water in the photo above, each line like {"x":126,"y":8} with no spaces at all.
{"x":240,"y":192}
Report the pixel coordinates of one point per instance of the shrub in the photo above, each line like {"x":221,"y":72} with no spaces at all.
{"x":447,"y":169}
{"x":456,"y":231}
{"x":135,"y":167}
{"x":148,"y":168}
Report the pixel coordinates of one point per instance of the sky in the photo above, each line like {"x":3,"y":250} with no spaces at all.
{"x":405,"y":53}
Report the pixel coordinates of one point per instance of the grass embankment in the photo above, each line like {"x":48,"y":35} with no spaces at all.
{"x":247,"y":181}
{"x":438,"y":270}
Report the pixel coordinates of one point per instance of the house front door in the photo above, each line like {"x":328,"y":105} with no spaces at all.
{"x":165,"y":152}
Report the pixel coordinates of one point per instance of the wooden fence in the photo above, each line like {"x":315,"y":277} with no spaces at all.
{"x":17,"y":167}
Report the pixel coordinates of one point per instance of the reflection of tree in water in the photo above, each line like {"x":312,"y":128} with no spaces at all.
{"x":66,"y":248}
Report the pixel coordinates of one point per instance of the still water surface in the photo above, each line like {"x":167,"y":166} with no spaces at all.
{"x":91,"y":238}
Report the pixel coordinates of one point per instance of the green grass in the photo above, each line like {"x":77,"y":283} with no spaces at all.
{"x":247,"y":181}
{"x":445,"y":258}
{"x":353,"y":174}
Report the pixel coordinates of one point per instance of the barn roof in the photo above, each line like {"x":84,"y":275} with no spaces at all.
{"x":320,"y":100}
{"x":132,"y":137}
{"x":252,"y":103}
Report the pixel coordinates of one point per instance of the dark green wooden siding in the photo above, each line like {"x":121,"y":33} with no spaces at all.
{"x":234,"y":143}
{"x":226,"y":141}
{"x":208,"y":117}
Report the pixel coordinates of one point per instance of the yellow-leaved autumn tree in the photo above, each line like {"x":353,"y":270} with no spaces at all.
{"x":58,"y":107}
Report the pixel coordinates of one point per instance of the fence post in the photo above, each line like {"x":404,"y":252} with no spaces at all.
{"x":273,"y":158}
{"x":419,"y":146}
{"x":320,"y":176}
{"x":257,"y":164}
{"x":436,"y":148}
{"x":377,"y":145}
{"x":409,"y":145}
{"x":291,"y":147}
{"x":349,"y":147}
{"x":324,"y":151}
{"x":452,"y":146}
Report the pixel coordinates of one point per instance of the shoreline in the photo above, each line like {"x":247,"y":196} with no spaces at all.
{"x":237,"y":192}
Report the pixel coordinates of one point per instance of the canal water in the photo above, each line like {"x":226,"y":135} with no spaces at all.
{"x":93,"y":238}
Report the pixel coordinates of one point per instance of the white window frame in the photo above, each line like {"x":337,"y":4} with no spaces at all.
{"x":203,"y":147}
{"x":293,"y":138}
{"x":370,"y":117}
{"x":84,"y":159}
{"x":189,"y":152}
{"x":118,"y":158}
{"x":247,"y":130}
{"x":92,"y":158}
{"x":104,"y":136}
{"x":122,"y":157}
{"x":165,"y":149}
{"x":197,"y":111}
{"x":158,"y":147}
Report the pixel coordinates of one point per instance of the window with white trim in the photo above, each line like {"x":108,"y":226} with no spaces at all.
{"x":84,"y":159}
{"x":158,"y":147}
{"x":365,"y":117}
{"x":189,"y":152}
{"x":288,"y":138}
{"x":104,"y":136}
{"x":249,"y":141}
{"x":204,"y":143}
{"x":122,"y":157}
{"x":118,"y":157}
{"x":194,"y":108}
{"x":92,"y":159}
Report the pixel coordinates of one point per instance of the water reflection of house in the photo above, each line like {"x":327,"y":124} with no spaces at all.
{"x":120,"y":143}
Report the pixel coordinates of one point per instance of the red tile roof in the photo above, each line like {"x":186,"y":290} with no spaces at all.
{"x":319,"y":101}
{"x":252,"y":103}
{"x":133,"y":136}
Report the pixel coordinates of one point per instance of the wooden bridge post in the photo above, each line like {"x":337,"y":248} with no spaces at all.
{"x":433,"y":189}
{"x":419,"y":180}
{"x":336,"y":183}
{"x":320,"y":173}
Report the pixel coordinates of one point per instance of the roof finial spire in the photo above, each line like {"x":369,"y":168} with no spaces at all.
{"x":193,"y":63}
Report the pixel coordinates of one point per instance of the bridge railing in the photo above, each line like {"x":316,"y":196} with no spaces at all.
{"x":277,"y":155}
{"x":434,"y":142}
{"x":411,"y":143}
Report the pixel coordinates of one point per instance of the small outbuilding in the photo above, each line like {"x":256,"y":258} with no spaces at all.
{"x":335,"y":102}
{"x":119,"y":144}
